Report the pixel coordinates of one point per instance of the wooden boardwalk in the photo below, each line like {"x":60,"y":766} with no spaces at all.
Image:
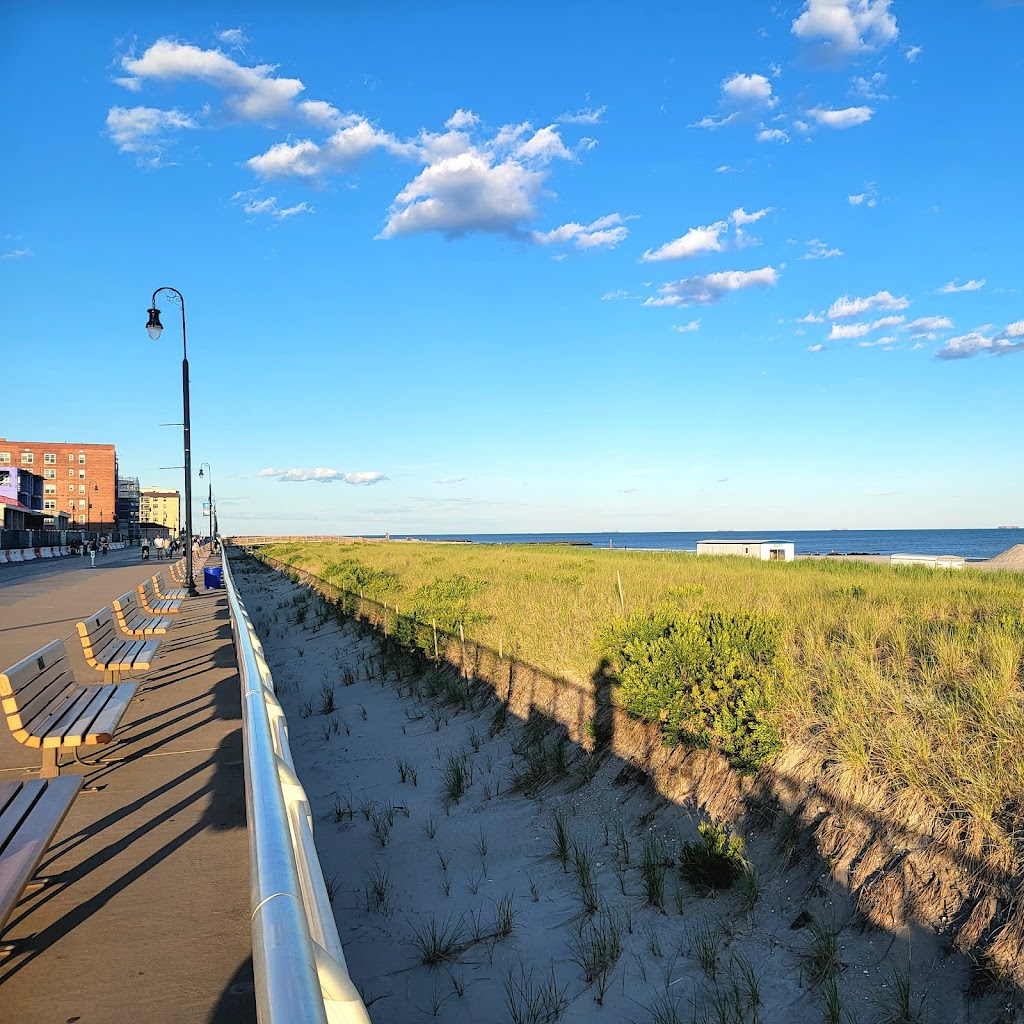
{"x":146,"y":916}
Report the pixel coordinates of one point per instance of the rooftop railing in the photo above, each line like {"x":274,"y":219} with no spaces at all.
{"x":299,"y":966}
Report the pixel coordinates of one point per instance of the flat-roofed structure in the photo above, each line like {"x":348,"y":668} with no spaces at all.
{"x":929,"y":561}
{"x":766,"y":550}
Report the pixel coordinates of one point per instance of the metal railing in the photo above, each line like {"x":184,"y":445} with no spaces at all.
{"x":299,"y":966}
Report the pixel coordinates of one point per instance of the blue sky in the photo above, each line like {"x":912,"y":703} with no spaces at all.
{"x":465,"y":267}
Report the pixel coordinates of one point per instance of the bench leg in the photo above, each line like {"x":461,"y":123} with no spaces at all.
{"x":51,"y":763}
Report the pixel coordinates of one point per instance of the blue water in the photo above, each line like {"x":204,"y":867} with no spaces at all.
{"x":978,"y":544}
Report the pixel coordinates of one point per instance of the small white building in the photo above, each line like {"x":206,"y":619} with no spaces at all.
{"x":930,"y":561}
{"x":766,"y":550}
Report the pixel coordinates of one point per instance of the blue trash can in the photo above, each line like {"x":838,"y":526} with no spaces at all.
{"x":212,"y":578}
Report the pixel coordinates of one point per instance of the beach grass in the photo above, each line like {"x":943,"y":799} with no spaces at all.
{"x":908,"y":677}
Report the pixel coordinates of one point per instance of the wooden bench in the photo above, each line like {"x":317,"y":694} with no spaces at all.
{"x":154,"y":604}
{"x":30,"y":814}
{"x":133,"y":620}
{"x":169,"y":595}
{"x":48,"y":709}
{"x":111,"y":653}
{"x":177,"y":571}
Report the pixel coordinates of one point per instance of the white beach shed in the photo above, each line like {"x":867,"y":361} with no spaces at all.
{"x":931,"y":561}
{"x":766,"y":550}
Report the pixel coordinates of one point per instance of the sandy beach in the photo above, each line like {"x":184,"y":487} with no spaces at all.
{"x":439,"y":831}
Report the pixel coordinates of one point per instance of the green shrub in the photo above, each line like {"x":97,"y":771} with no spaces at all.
{"x":447,"y":601}
{"x":709,"y":677}
{"x":713,"y":861}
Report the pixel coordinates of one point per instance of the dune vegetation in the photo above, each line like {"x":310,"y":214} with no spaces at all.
{"x":909,"y":678}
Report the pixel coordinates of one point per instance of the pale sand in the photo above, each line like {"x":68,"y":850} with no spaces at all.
{"x":498,"y":844}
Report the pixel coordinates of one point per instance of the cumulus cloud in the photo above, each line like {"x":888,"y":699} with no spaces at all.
{"x":884,"y":301}
{"x":739,"y":216}
{"x":819,"y":250}
{"x":841,"y":332}
{"x":772,"y":135}
{"x":925,"y":326}
{"x":1015,"y":330}
{"x":869,"y":88}
{"x":584,"y":115}
{"x":693,"y":325}
{"x":846,"y":27}
{"x":603,"y":233}
{"x":462,"y":119}
{"x":912,"y":53}
{"x":324,"y":476}
{"x":869,"y":197}
{"x":816,"y":348}
{"x":144,"y":130}
{"x":811,"y":318}
{"x":951,"y":287}
{"x":615,"y":295}
{"x":693,"y":243}
{"x":981,"y":342}
{"x":742,"y":96}
{"x":846,"y":117}
{"x":710,"y":288}
{"x":233,"y":37}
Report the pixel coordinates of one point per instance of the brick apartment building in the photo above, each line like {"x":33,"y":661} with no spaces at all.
{"x":79,"y":480}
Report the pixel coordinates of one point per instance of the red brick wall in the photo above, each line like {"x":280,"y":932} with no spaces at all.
{"x":100,"y":468}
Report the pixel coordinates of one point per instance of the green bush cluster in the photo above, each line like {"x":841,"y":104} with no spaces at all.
{"x":709,"y":677}
{"x":447,"y":601}
{"x":715,"y":860}
{"x":357,"y":577}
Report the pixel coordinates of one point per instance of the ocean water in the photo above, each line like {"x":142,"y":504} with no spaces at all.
{"x":974,"y":544}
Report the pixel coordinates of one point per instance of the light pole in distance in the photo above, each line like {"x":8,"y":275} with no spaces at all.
{"x":154,"y":327}
{"x":209,"y":501}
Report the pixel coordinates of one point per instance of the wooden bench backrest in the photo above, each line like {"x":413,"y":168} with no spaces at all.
{"x":127,"y":604}
{"x":146,"y":589}
{"x":97,"y":633}
{"x":28,"y":688}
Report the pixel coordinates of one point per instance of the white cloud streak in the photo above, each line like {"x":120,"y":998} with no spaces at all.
{"x":143,"y":130}
{"x":846,"y":117}
{"x":323,"y":476}
{"x":951,"y":287}
{"x":710,"y":288}
{"x":883,"y":301}
{"x":696,"y":241}
{"x":819,"y":250}
{"x":604,"y":233}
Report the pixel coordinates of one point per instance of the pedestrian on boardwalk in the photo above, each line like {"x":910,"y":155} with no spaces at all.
{"x":145,"y":548}
{"x":158,"y":543}
{"x":92,"y":554}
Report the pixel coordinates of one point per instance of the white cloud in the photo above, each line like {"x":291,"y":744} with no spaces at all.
{"x":979,"y":342}
{"x":748,"y":91}
{"x":816,"y":348}
{"x":819,"y":250}
{"x":710,"y":288}
{"x":462,"y":119}
{"x":1015,"y":330}
{"x":951,"y":287}
{"x":606,"y":233}
{"x":320,"y":112}
{"x":255,"y":205}
{"x":449,"y":481}
{"x":16,"y":254}
{"x":869,"y":88}
{"x":811,"y":318}
{"x":694,"y":242}
{"x":869,"y":197}
{"x":887,"y":321}
{"x":323,"y":475}
{"x":143,"y":130}
{"x":742,"y":96}
{"x":233,"y":37}
{"x":925,"y":326}
{"x":846,"y":27}
{"x":847,"y":117}
{"x":693,"y":325}
{"x":772,"y":135}
{"x":252,"y":93}
{"x":843,"y":331}
{"x":307,"y":159}
{"x":544,"y":146}
{"x":615,"y":296}
{"x":885,"y":301}
{"x":912,"y":53}
{"x":739,"y":216}
{"x":724,"y":169}
{"x":584,"y":115}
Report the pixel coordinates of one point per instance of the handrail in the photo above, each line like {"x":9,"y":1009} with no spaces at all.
{"x":299,"y":965}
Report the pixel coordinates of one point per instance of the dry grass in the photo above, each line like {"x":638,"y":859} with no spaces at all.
{"x":908,"y":677}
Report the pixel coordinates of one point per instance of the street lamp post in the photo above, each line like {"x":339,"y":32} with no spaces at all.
{"x":89,"y":488}
{"x":209,"y":502}
{"x":154,"y":327}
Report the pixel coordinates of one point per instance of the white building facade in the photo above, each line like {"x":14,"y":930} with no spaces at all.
{"x":766,"y":550}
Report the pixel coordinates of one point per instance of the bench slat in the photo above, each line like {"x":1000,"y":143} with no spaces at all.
{"x":105,"y":724}
{"x":45,"y":686}
{"x":24,"y":842}
{"x":133,"y":619}
{"x":26,"y":669}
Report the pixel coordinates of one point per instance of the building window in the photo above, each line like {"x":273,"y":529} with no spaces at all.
{"x":81,"y":503}
{"x":81,"y":458}
{"x":81,"y":474}
{"x":50,"y":506}
{"x":81,"y":488}
{"x":71,"y":488}
{"x":71,"y":457}
{"x":71,"y":473}
{"x":5,"y":478}
{"x":27,"y":458}
{"x":81,"y":519}
{"x":50,"y":474}
{"x":50,"y":458}
{"x":5,"y":458}
{"x":50,"y":489}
